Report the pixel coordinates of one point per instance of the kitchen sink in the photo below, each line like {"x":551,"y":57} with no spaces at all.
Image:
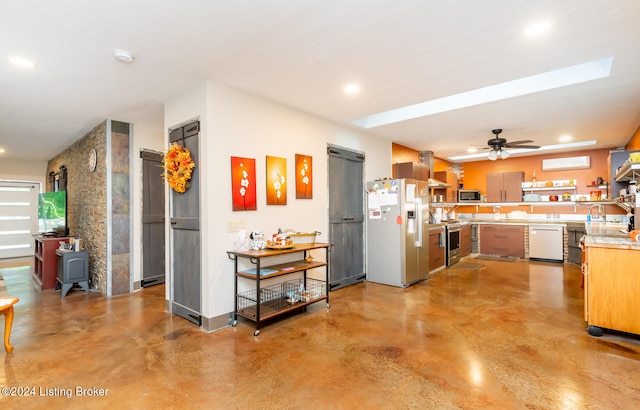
{"x":599,"y":228}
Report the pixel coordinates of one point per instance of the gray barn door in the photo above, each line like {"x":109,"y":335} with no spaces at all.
{"x":153,"y":270}
{"x":185,"y":233}
{"x":346,"y":217}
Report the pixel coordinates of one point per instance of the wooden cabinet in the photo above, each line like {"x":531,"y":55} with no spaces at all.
{"x":267,"y":301}
{"x":45,"y":263}
{"x":465,"y":240}
{"x":503,"y":240}
{"x":411,"y":170}
{"x":505,"y":187}
{"x":611,"y":289}
{"x":437,"y":248}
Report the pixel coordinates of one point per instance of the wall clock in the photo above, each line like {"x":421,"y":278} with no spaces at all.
{"x":93,"y":158}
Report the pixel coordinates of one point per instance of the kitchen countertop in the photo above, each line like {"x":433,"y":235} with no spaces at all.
{"x":522,"y":221}
{"x":615,"y":242}
{"x":603,"y":241}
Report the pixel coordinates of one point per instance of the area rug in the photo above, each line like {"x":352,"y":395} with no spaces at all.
{"x":498,"y":258}
{"x":467,"y":266}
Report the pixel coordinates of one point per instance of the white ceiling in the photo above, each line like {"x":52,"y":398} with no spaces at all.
{"x":301,"y":53}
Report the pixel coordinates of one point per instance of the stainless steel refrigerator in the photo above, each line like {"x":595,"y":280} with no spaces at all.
{"x":397,"y":232}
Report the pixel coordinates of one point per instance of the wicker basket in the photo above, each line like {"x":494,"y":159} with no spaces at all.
{"x":307,"y":238}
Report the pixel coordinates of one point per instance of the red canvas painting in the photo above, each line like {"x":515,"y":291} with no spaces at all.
{"x":304,"y":177}
{"x":276,"y":181}
{"x":243,"y":184}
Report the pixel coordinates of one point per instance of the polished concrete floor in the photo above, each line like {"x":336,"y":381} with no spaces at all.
{"x":506,"y":336}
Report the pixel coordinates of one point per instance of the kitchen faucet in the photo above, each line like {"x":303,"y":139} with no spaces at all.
{"x":602,"y":214}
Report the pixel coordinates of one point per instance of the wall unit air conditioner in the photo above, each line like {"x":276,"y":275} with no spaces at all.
{"x":555,"y":164}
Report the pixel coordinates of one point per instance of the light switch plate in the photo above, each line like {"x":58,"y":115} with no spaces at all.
{"x":235,"y":226}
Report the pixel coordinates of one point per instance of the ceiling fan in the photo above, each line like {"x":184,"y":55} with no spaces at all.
{"x":498,"y":144}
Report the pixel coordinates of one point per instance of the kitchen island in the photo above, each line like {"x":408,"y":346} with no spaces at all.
{"x":612,"y":284}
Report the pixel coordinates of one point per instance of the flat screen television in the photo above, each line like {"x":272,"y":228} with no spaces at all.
{"x":52,"y":213}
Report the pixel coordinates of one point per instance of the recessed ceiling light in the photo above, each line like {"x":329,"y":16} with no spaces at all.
{"x":550,"y":80}
{"x":537,"y":29}
{"x":1,"y":150}
{"x":123,"y":56}
{"x":352,"y":89}
{"x":472,"y":150}
{"x":21,"y":62}
{"x":566,"y":138}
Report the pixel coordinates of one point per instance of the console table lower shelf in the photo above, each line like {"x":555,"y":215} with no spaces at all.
{"x":266,"y":302}
{"x":278,"y":299}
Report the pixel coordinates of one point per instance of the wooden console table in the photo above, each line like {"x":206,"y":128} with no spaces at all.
{"x":268,"y":301}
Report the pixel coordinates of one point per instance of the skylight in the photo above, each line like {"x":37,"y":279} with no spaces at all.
{"x":550,"y":80}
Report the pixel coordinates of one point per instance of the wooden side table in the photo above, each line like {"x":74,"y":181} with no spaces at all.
{"x":6,"y":308}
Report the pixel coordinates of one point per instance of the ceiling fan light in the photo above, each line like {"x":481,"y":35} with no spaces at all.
{"x":493,"y":155}
{"x":504,"y":154}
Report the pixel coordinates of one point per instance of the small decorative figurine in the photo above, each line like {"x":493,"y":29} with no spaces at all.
{"x":257,"y":240}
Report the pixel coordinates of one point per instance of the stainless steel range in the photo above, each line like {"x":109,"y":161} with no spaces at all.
{"x":453,"y":243}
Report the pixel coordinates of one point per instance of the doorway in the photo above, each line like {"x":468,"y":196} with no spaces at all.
{"x":346,"y":216}
{"x":18,"y":218}
{"x":153,"y":251}
{"x":185,"y":233}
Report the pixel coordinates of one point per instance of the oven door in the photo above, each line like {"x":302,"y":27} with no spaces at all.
{"x":453,"y":246}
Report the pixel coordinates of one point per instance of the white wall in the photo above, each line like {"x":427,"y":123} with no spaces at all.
{"x":21,"y":170}
{"x":237,"y":124}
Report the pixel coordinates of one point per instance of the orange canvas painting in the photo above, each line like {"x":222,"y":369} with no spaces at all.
{"x":276,"y":181}
{"x":304,"y":180}
{"x":243,"y":184}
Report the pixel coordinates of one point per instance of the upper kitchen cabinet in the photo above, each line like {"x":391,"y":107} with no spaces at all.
{"x":505,"y":187}
{"x":412,"y":170}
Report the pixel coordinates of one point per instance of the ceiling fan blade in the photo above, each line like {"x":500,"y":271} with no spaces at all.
{"x":522,"y":146}
{"x":518,"y":142}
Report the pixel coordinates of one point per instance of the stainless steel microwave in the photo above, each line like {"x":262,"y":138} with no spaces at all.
{"x":469,"y":195}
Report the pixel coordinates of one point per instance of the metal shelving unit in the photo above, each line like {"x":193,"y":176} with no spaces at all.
{"x":532,"y":205}
{"x":630,"y":171}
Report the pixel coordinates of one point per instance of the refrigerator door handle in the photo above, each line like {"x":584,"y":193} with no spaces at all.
{"x":419,"y":227}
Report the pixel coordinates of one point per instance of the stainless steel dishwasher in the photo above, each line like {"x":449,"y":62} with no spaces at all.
{"x":546,"y":242}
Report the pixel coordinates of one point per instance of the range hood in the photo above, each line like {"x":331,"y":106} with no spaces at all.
{"x":434,"y":183}
{"x":426,"y":158}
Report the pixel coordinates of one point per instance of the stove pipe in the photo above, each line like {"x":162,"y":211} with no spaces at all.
{"x":426,"y":158}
